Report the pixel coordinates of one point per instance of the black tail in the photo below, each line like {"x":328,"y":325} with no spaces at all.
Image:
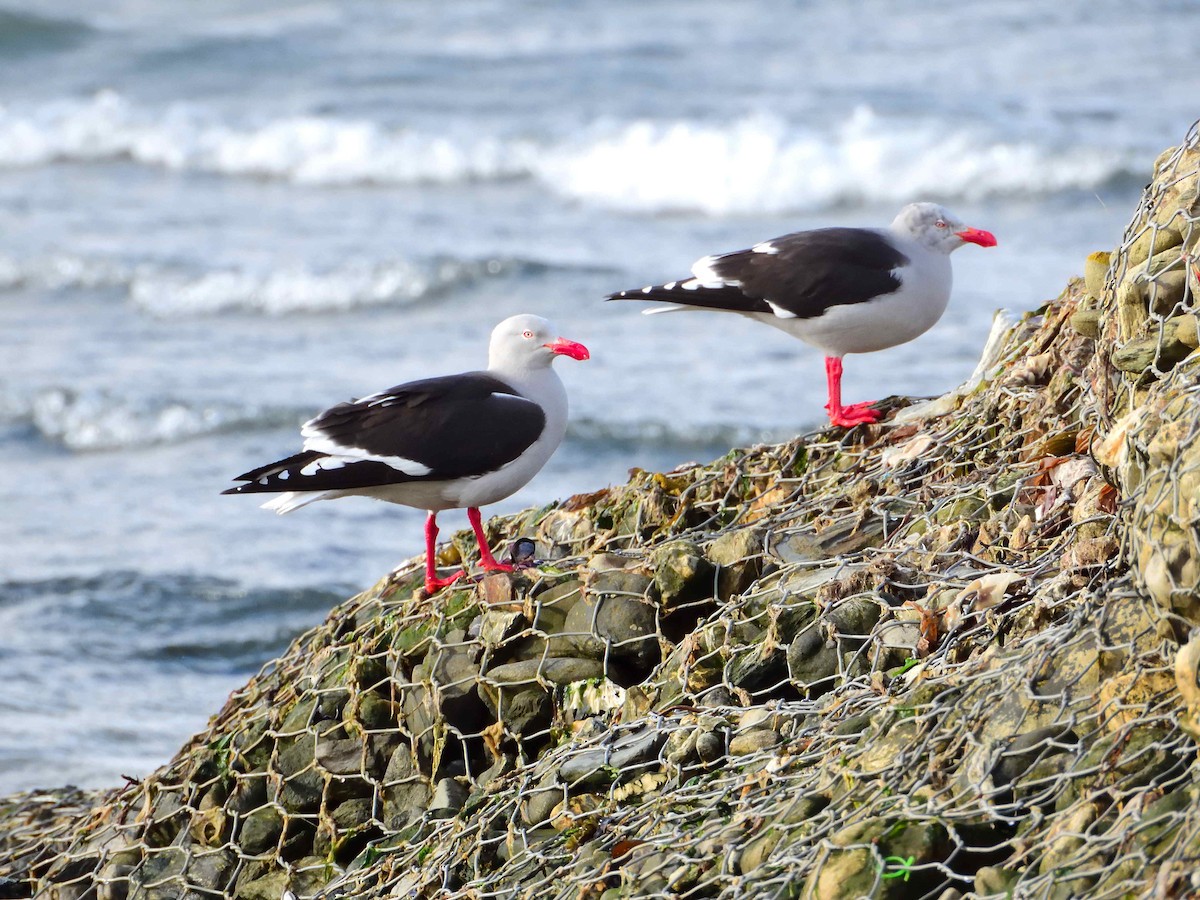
{"x":725,"y":297}
{"x":264,"y":479}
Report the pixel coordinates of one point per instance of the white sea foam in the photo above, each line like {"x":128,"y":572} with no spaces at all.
{"x":166,"y":292}
{"x":760,"y":164}
{"x":753,"y":164}
{"x":303,"y":149}
{"x":86,"y":420}
{"x":98,"y":420}
{"x":303,"y":291}
{"x":61,"y":270}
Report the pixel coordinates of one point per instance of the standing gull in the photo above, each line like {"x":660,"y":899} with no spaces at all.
{"x":440,"y":443}
{"x":843,"y":290}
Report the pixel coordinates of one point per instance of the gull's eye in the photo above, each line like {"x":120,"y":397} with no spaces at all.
{"x":940,"y":223}
{"x":527,"y":334}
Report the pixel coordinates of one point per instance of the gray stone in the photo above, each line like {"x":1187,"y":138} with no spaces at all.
{"x":260,"y":830}
{"x":448,"y":798}
{"x":624,"y":758}
{"x":710,"y":746}
{"x":814,"y":656}
{"x":496,"y":626}
{"x":405,"y":792}
{"x":681,"y":573}
{"x":753,"y":741}
{"x":539,"y":804}
{"x":353,"y":813}
{"x":344,"y":757}
{"x":611,"y":621}
{"x":554,"y":670}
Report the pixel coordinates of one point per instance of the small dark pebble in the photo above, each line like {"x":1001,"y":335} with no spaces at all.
{"x":522,"y":551}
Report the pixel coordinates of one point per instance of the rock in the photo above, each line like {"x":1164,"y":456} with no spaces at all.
{"x":405,"y":791}
{"x":812,"y":661}
{"x":625,"y":757}
{"x":497,"y":589}
{"x":1165,"y":292}
{"x":1024,"y":750}
{"x":906,"y":848}
{"x":1163,"y":352}
{"x":269,"y":887}
{"x":497,"y":626}
{"x":993,"y":880}
{"x":340,"y":757}
{"x":1087,"y":322}
{"x":738,"y":556}
{"x":609,"y":562}
{"x":448,"y":798}
{"x":561,"y":597}
{"x":353,"y":814}
{"x":1151,"y":242}
{"x":539,"y":804}
{"x":710,"y":746}
{"x":1095,"y":273}
{"x":612,"y":621}
{"x":814,"y":657}
{"x":521,"y":711}
{"x":1187,"y":680}
{"x":681,"y":573}
{"x":555,"y":670}
{"x":753,"y":741}
{"x":375,"y":712}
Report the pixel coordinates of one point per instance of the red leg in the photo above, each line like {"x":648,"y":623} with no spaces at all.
{"x":845,"y":416}
{"x":485,"y":555}
{"x":433,"y":584}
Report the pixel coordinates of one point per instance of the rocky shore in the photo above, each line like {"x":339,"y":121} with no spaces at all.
{"x":947,"y":656}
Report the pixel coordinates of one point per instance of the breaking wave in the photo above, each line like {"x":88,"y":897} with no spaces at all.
{"x":754,"y":164}
{"x":91,"y":420}
{"x":760,"y":164}
{"x":303,"y":291}
{"x":169,"y":293}
{"x":303,"y":149}
{"x":96,"y":420}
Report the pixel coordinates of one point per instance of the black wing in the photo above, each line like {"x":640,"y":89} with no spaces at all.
{"x":800,"y":275}
{"x":436,"y":429}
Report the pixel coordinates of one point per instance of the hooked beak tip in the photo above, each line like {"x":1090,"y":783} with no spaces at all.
{"x":977,"y":236}
{"x":573,"y":349}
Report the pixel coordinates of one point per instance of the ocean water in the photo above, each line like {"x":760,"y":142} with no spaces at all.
{"x":217,"y":219}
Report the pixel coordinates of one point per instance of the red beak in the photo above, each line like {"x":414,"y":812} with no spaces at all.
{"x":977,"y":236}
{"x":569,"y":348}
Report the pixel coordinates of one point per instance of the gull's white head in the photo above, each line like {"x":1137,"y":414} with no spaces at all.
{"x":527,"y":341}
{"x":936,"y":228}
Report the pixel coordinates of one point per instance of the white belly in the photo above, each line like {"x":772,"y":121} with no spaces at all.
{"x":880,"y":323}
{"x":463,"y":492}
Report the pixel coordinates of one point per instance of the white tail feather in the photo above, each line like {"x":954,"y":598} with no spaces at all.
{"x":654,"y":311}
{"x":290,"y":500}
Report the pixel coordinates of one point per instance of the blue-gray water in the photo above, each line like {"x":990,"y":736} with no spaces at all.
{"x":218,"y":218}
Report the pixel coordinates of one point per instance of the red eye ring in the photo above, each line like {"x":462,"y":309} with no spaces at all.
{"x":527,"y":334}
{"x":940,"y":223}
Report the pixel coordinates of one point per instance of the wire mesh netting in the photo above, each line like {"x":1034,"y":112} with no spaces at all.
{"x":947,"y":656}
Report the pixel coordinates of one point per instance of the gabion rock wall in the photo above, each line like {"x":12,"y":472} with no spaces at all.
{"x":1151,"y":395}
{"x":935,"y":658}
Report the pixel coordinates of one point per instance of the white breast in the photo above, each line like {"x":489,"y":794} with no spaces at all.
{"x":884,"y":322}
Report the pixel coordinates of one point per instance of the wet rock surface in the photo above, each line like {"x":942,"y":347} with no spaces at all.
{"x":954,"y":654}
